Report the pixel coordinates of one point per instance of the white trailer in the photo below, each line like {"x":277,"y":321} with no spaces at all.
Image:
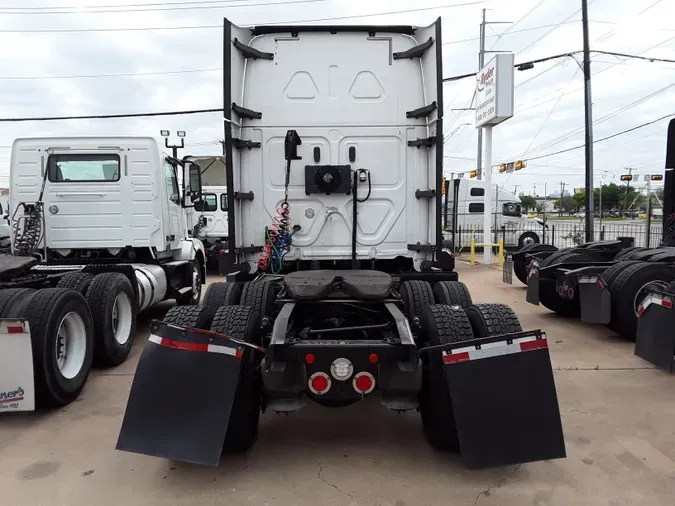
{"x":99,"y":234}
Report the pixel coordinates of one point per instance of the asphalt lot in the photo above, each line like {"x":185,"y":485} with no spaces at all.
{"x":617,"y":414}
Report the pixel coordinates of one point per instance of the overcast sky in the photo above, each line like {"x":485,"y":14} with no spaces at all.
{"x":48,"y":42}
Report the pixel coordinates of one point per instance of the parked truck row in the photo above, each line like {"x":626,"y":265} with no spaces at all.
{"x":627,"y":288}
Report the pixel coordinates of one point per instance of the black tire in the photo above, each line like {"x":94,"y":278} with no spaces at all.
{"x":627,"y":254}
{"x":196,"y":317}
{"x":239,"y":322}
{"x":222,"y":293}
{"x":259,"y":296}
{"x":113,"y":344}
{"x":528,"y":235}
{"x":492,"y":320}
{"x":416,"y":295}
{"x":452,"y":293}
{"x":610,"y":275}
{"x":520,"y":270}
{"x":442,"y":324}
{"x":45,"y":314}
{"x":12,"y":301}
{"x":193,"y":298}
{"x":625,"y":294}
{"x":79,"y":281}
{"x":565,"y":255}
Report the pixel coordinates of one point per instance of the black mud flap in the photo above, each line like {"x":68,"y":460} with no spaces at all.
{"x":504,"y":400}
{"x":595,"y":300}
{"x":655,"y":341}
{"x":532,"y":295}
{"x":181,"y":397}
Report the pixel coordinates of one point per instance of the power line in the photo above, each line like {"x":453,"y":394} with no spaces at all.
{"x":603,"y":138}
{"x":111,"y":116}
{"x":54,"y":7}
{"x":220,"y":26}
{"x":179,"y":8}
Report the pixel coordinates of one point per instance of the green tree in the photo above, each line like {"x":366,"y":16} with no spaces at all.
{"x":579,"y":200}
{"x":565,"y":204}
{"x":528,"y":202}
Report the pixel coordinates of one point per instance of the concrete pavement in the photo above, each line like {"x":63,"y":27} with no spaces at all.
{"x":617,"y":414}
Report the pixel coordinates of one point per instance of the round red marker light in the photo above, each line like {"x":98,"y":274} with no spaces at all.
{"x":309,"y":358}
{"x":364,"y":383}
{"x":319,"y":384}
{"x":373,"y":358}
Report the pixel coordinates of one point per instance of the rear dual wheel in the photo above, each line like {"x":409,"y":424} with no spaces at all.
{"x":445,"y":324}
{"x":62,"y":340}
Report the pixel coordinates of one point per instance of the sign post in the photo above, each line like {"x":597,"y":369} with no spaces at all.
{"x":494,"y":104}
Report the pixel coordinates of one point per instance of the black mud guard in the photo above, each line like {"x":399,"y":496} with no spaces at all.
{"x":595,"y":299}
{"x":532,"y":294}
{"x":504,"y":400}
{"x":181,"y":397}
{"x":655,"y":341}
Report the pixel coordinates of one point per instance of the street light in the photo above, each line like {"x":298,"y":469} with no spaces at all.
{"x":173,"y":147}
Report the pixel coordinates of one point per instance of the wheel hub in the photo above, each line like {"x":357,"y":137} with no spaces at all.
{"x":70,"y":345}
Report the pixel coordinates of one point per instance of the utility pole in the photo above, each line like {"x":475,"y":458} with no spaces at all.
{"x":562,"y":195}
{"x":481,"y":62}
{"x":625,"y":197}
{"x":588,"y":103}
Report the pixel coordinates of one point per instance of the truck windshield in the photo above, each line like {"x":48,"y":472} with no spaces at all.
{"x":512,"y":209}
{"x":84,"y":167}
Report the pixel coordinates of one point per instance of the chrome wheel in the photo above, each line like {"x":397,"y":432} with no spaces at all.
{"x":71,"y":345}
{"x":196,"y":284}
{"x":122,"y":317}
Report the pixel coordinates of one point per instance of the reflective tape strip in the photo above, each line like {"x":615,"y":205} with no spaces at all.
{"x":13,"y":327}
{"x":208,"y":348}
{"x":655,"y":299}
{"x":495,"y":349}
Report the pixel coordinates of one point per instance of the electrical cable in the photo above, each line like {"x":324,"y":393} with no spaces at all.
{"x":248,"y":3}
{"x":285,"y":22}
{"x":595,"y":141}
{"x":193,"y":7}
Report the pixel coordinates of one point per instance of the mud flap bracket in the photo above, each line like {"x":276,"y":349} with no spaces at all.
{"x":655,"y":340}
{"x":181,"y":396}
{"x":595,"y":300}
{"x":504,"y":400}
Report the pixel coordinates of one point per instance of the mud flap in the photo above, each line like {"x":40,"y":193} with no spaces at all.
{"x":532,"y":295}
{"x":181,"y":397}
{"x":655,"y":340}
{"x":504,"y":400}
{"x":595,"y":300}
{"x":17,"y":387}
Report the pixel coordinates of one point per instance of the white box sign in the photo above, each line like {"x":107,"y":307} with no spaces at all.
{"x":494,"y":91}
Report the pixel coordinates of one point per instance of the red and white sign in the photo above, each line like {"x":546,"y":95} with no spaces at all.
{"x":494,"y":91}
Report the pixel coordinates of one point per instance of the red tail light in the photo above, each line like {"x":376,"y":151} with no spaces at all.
{"x":319,"y":383}
{"x":364,"y":383}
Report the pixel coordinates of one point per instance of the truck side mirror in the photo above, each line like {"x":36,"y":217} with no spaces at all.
{"x":195,"y":179}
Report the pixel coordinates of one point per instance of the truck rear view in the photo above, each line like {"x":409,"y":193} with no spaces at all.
{"x":338,"y":284}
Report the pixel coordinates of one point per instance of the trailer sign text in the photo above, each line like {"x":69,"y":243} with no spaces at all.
{"x":494,"y":91}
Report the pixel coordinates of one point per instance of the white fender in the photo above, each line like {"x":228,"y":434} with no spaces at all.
{"x":189,"y":248}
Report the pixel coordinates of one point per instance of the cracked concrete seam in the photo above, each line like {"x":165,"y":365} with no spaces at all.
{"x":319,"y":475}
{"x":486,"y":491}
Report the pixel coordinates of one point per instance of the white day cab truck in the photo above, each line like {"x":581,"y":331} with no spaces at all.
{"x":99,"y":233}
{"x":464,"y":208}
{"x":338,"y":284}
{"x":209,"y":223}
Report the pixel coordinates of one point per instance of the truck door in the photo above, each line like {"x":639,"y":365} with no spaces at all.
{"x":174,"y":231}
